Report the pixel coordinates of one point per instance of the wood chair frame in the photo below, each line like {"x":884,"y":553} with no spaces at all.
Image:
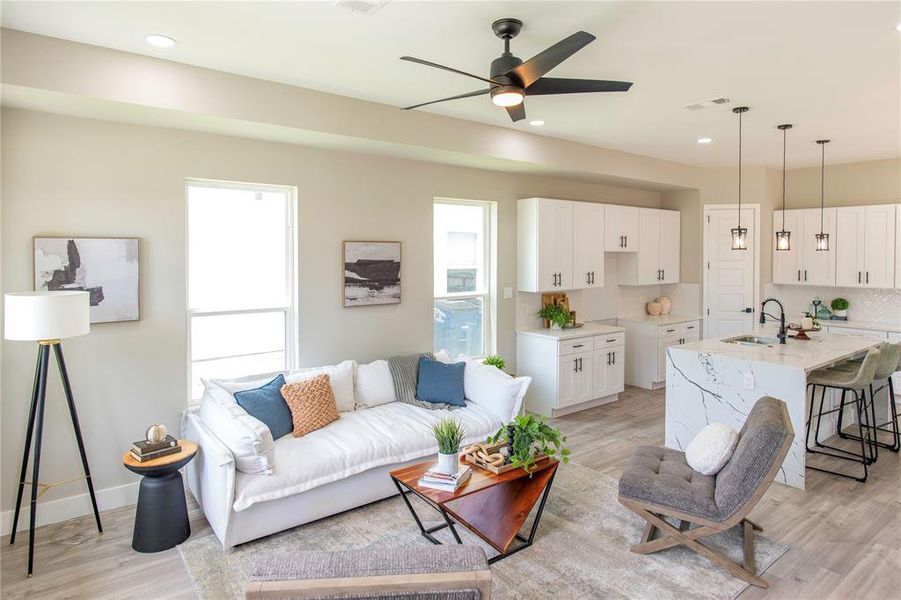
{"x":692,"y":528}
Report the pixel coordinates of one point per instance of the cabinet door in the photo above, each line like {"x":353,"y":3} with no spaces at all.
{"x":599,"y":372}
{"x":787,"y":263}
{"x":817,"y":266}
{"x":588,"y":245}
{"x":670,"y":245}
{"x":555,"y":251}
{"x":648,"y":258}
{"x":616,"y":371}
{"x":575,"y":384}
{"x":849,"y":246}
{"x":620,"y":228}
{"x":879,"y":245}
{"x":662,"y":345}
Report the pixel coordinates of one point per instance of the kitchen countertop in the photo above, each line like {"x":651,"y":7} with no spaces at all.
{"x":869,"y":325}
{"x":660,"y":319}
{"x":566,"y":334}
{"x":821,"y":350}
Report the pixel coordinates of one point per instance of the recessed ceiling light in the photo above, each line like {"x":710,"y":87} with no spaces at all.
{"x":160,"y":41}
{"x":705,"y":140}
{"x":536,"y":123}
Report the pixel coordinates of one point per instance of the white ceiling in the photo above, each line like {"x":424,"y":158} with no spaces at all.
{"x":833,"y":69}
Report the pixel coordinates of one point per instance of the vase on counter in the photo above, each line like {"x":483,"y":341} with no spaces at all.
{"x":665,"y":305}
{"x":654,"y":308}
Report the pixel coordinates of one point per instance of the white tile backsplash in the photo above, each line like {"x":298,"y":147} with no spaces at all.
{"x":866,"y":305}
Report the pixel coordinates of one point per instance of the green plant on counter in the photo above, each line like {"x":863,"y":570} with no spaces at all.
{"x":531,"y":435}
{"x":495,"y":361}
{"x":839,"y":304}
{"x":556,"y":314}
{"x":449,"y":433}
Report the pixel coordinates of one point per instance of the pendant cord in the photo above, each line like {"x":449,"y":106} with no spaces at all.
{"x":739,"y":172}
{"x":783,"y":178}
{"x":822,"y":185}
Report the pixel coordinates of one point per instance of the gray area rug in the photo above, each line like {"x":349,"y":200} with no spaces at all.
{"x":581,"y":549}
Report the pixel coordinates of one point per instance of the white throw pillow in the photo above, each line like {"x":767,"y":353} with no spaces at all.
{"x":492,"y":389}
{"x":374,"y":385}
{"x":444,"y":357}
{"x":248,"y":438}
{"x":711,"y":448}
{"x":341,"y":376}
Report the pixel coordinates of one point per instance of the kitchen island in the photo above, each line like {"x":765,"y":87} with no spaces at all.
{"x":718,"y":381}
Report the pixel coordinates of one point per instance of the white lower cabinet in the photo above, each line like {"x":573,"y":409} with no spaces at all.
{"x":648,"y":342}
{"x":571,"y":373}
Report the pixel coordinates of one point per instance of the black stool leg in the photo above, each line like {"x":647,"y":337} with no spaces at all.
{"x":896,"y":445}
{"x":816,"y":435}
{"x":860,"y":431}
{"x":35,"y":470}
{"x":813,"y":392}
{"x":28,"y":433}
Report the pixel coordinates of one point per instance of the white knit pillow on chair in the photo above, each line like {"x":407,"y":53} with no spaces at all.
{"x":711,"y":448}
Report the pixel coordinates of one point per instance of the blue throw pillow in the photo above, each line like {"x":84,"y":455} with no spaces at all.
{"x":267,"y":404}
{"x":440,"y":382}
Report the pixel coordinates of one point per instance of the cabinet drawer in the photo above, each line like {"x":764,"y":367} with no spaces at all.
{"x":669,"y":331}
{"x":577,"y":345}
{"x":690,"y":328}
{"x":605,"y":341}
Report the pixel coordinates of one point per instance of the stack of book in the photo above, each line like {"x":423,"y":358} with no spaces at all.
{"x":445,"y":483}
{"x":143,"y":450}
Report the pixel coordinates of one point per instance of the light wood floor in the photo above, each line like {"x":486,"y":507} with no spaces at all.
{"x":845,"y":536}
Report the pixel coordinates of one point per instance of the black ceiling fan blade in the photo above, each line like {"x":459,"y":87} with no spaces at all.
{"x":518,"y":112}
{"x":557,"y":85}
{"x":530,"y":71}
{"x":466,"y":95}
{"x":451,"y":69}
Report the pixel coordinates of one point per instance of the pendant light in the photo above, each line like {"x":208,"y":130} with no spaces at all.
{"x":739,"y":233}
{"x":783,"y":238}
{"x":822,"y":237}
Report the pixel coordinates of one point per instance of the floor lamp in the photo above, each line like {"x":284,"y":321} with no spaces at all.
{"x":46,"y":318}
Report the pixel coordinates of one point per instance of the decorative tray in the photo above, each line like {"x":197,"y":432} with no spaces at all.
{"x":487,"y":456}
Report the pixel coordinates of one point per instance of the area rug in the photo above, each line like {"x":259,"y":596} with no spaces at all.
{"x":581,"y":549}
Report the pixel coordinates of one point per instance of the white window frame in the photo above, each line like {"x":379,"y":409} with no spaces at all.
{"x":292,"y":346}
{"x":488,"y":295}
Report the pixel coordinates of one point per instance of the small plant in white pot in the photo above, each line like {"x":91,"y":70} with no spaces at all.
{"x":558,"y":316}
{"x":449,"y":433}
{"x":840,"y":307}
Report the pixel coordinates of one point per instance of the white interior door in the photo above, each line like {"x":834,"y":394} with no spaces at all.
{"x":731,"y":278}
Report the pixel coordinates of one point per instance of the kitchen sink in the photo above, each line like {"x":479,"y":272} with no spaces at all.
{"x":752,"y":340}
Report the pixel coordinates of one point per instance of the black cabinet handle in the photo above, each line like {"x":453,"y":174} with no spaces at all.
{"x":799,"y":274}
{"x":805,"y":274}
{"x":575,"y":365}
{"x":663,"y":274}
{"x":670,"y":330}
{"x":578,"y":345}
{"x":614,"y":357}
{"x":627,"y":242}
{"x":868,"y":277}
{"x":690,"y":327}
{"x":613,"y":340}
{"x":858,"y":277}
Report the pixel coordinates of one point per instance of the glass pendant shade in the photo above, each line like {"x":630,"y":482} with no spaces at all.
{"x":740,"y":238}
{"x":783,"y":240}
{"x":822,"y":242}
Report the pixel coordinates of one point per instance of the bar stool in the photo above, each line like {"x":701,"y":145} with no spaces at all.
{"x":854,"y":382}
{"x":889,"y":362}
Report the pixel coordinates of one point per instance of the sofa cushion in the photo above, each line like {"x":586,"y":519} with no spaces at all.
{"x":373,"y":385}
{"x":312,"y":404}
{"x":247,"y":438}
{"x":440,"y":382}
{"x":341,"y":377}
{"x":493,"y":389}
{"x":267,"y":404}
{"x":358,"y":441}
{"x":405,"y":375}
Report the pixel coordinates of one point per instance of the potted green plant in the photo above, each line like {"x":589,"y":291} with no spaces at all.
{"x":556,"y":314}
{"x":449,"y":433}
{"x":495,"y":361}
{"x":528,"y":436}
{"x":840,"y":307}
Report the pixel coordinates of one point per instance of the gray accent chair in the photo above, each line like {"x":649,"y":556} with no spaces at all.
{"x":658,"y":483}
{"x":445,"y":572}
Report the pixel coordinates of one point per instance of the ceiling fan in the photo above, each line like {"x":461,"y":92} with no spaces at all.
{"x":511,"y":79}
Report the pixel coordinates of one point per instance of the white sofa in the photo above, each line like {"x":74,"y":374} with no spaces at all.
{"x":341,"y":466}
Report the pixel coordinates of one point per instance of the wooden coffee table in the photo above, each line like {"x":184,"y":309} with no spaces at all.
{"x":493,"y":507}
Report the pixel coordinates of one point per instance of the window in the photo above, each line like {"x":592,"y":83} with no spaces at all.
{"x":241,"y":290}
{"x":463,"y":253}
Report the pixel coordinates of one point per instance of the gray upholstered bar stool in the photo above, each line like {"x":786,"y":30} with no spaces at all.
{"x":849,"y":382}
{"x":889,"y":362}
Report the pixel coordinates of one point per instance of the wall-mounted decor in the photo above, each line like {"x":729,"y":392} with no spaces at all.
{"x":107,"y":268}
{"x":371,"y":273}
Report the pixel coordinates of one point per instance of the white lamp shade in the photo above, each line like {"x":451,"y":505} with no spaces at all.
{"x":35,"y":316}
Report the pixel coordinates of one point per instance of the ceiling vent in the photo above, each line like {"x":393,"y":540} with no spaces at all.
{"x":706,"y":103}
{"x":364,"y":7}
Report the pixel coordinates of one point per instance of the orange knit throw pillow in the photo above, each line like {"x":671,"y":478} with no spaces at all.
{"x":312,"y":404}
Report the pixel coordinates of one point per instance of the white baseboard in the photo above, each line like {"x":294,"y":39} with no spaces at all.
{"x":64,"y":509}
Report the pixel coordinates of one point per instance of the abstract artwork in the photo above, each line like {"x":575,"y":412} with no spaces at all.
{"x":107,"y":268}
{"x":371,"y":273}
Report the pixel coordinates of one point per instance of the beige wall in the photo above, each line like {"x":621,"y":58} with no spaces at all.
{"x":72,"y":176}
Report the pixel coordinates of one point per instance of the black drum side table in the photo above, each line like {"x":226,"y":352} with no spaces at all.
{"x":161,"y":520}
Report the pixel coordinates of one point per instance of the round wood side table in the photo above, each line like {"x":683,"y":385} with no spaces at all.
{"x":161,"y":520}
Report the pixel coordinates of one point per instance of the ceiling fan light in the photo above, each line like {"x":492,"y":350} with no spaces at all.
{"x":783,"y":240}
{"x":740,"y":238}
{"x":507,"y":95}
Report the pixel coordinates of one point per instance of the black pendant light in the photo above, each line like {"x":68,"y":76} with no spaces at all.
{"x":739,"y":233}
{"x":783,"y":238}
{"x":822,"y":237}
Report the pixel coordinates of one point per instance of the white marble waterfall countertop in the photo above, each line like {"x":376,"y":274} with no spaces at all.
{"x":821,"y":350}
{"x":659,"y":319}
{"x":586,"y":330}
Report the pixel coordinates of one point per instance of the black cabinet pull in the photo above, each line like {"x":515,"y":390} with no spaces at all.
{"x":805,"y":274}
{"x":608,"y":358}
{"x":575,"y":365}
{"x":662,"y":274}
{"x":578,"y":345}
{"x":799,"y":274}
{"x":858,"y":277}
{"x":613,"y":340}
{"x":627,"y":242}
{"x":670,"y":330}
{"x":868,"y":277}
{"x":614,"y":357}
{"x":690,"y":327}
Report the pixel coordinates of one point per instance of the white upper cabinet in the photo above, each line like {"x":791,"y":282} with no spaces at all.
{"x":657,"y":258}
{"x":588,"y":245}
{"x":545,"y":245}
{"x":621,"y":228}
{"x":803,"y":264}
{"x":865,"y":246}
